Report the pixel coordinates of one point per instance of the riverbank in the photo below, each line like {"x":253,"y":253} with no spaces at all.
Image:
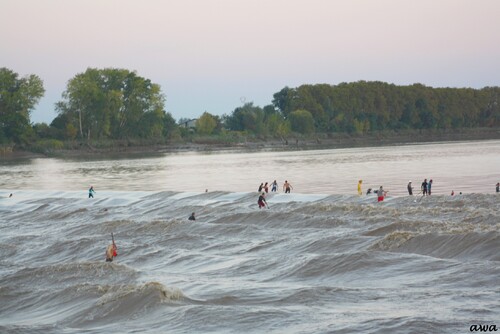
{"x":291,"y":143}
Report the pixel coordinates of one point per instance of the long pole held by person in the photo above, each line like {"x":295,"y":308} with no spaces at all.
{"x":114,"y":245}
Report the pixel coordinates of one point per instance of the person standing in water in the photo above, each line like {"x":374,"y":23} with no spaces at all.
{"x":192,"y":217}
{"x":423,"y":187}
{"x":360,"y":192}
{"x":266,"y":187}
{"x":381,"y":194}
{"x":91,"y":192}
{"x":275,"y":186}
{"x":410,"y":188}
{"x":111,"y":252}
{"x":429,"y":185}
{"x":262,"y":201}
{"x":260,"y":187}
{"x":497,"y":187}
{"x":286,"y":187}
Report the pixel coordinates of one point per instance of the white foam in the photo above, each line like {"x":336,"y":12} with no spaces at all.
{"x":295,"y":197}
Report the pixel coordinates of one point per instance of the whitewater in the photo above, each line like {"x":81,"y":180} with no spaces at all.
{"x":310,"y":263}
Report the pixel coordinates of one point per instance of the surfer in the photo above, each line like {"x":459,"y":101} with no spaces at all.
{"x":286,"y":187}
{"x":497,"y":188}
{"x":91,"y":192}
{"x":262,"y":201}
{"x":423,"y":187}
{"x":260,"y":187}
{"x":360,"y":192}
{"x":266,"y":188}
{"x":410,"y":188}
{"x":369,"y":191}
{"x":111,"y":252}
{"x":192,"y":217}
{"x":429,"y":185}
{"x":275,"y":186}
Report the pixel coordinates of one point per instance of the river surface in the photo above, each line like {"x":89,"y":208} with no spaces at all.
{"x":462,"y":166}
{"x":319,"y":260}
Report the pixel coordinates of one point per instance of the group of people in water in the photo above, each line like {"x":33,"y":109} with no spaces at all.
{"x":381,"y":193}
{"x":264,"y":189}
{"x":274,"y":187}
{"x":425,"y":187}
{"x":425,"y":190}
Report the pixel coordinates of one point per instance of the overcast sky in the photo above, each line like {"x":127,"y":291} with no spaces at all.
{"x":212,"y":55}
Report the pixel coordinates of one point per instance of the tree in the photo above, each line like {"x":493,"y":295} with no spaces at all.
{"x":206,"y":124}
{"x":246,"y":118}
{"x":170,"y":127}
{"x":301,"y":121}
{"x":282,"y":99}
{"x":18,"y":97}
{"x":113,"y":103}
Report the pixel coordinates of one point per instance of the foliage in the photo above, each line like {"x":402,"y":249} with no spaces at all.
{"x":256,"y":120}
{"x":170,"y":128}
{"x":364,"y":106}
{"x":116,"y":107}
{"x":47,"y":146}
{"x":301,"y":121}
{"x":18,"y":97}
{"x":112,"y":103}
{"x":206,"y":124}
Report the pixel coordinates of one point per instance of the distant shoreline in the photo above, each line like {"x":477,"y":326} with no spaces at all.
{"x":292,"y":143}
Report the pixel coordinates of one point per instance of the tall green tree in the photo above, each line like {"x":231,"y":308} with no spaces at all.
{"x":18,"y":97}
{"x":206,"y":124}
{"x":246,"y":118}
{"x":113,"y":103}
{"x":301,"y":121}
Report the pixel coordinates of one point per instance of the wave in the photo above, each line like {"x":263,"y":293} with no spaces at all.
{"x":240,"y":265}
{"x":470,"y":246}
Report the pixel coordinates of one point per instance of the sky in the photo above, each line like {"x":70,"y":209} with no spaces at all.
{"x":215,"y":55}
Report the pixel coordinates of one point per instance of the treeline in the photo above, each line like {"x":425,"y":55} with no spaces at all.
{"x":116,"y":104}
{"x":372,"y":106}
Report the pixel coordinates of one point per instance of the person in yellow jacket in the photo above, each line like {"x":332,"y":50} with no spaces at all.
{"x":360,"y":192}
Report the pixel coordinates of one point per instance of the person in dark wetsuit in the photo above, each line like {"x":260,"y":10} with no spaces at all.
{"x":424,"y":187}
{"x":497,"y":187}
{"x":262,"y":201}
{"x":410,"y":188}
{"x":260,"y":187}
{"x":91,"y":192}
{"x":192,"y":217}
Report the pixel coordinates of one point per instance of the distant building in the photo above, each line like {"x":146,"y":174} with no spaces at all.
{"x":190,"y":124}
